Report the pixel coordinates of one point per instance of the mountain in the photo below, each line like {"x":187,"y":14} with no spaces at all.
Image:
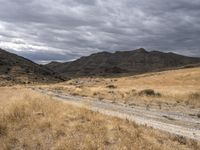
{"x":16,"y":69}
{"x":136,"y":61}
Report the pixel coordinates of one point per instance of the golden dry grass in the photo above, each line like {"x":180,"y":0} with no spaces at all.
{"x":31,"y":121}
{"x":170,"y":87}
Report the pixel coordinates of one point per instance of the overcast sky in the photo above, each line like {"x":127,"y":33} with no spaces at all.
{"x":63,"y":30}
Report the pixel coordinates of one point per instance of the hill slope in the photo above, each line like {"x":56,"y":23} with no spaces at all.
{"x":16,"y":69}
{"x":137,"y":61}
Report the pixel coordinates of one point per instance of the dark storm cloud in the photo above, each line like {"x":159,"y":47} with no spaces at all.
{"x":45,"y":30}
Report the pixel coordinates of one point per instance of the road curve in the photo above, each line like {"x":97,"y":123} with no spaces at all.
{"x":172,"y":122}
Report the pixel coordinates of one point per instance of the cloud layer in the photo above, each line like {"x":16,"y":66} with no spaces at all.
{"x":45,"y":30}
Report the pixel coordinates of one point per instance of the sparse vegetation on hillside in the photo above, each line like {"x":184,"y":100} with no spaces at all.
{"x":31,"y":121}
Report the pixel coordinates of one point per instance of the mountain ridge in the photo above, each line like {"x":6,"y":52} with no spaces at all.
{"x":17,"y":69}
{"x":135,"y":61}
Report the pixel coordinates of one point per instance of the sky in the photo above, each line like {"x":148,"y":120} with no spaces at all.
{"x":64,"y":30}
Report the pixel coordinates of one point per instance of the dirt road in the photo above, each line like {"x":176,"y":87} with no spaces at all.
{"x":173,"y":122}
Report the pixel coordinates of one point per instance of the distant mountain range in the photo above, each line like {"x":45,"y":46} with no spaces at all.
{"x":16,"y":69}
{"x":135,"y":62}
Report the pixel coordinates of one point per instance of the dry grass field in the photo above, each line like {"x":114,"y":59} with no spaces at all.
{"x":174,"y":87}
{"x":32,"y":121}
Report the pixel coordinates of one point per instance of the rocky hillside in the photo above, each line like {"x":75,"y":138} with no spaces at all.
{"x":136,"y":61}
{"x":16,"y":69}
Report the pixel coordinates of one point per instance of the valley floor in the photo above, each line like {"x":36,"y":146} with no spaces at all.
{"x":29,"y":120}
{"x":174,"y":89}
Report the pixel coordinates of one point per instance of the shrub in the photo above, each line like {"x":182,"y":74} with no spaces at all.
{"x":96,"y":93}
{"x":148,"y":92}
{"x":198,"y":115}
{"x":111,"y":86}
{"x":74,"y":94}
{"x":100,"y":98}
{"x":180,"y":139}
{"x":59,"y":88}
{"x":194,"y":96}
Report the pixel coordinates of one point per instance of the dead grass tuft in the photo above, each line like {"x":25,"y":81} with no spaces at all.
{"x":193,"y":99}
{"x":17,"y":112}
{"x":3,"y":129}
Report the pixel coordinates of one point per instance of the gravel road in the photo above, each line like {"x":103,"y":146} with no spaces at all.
{"x":173,"y":122}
